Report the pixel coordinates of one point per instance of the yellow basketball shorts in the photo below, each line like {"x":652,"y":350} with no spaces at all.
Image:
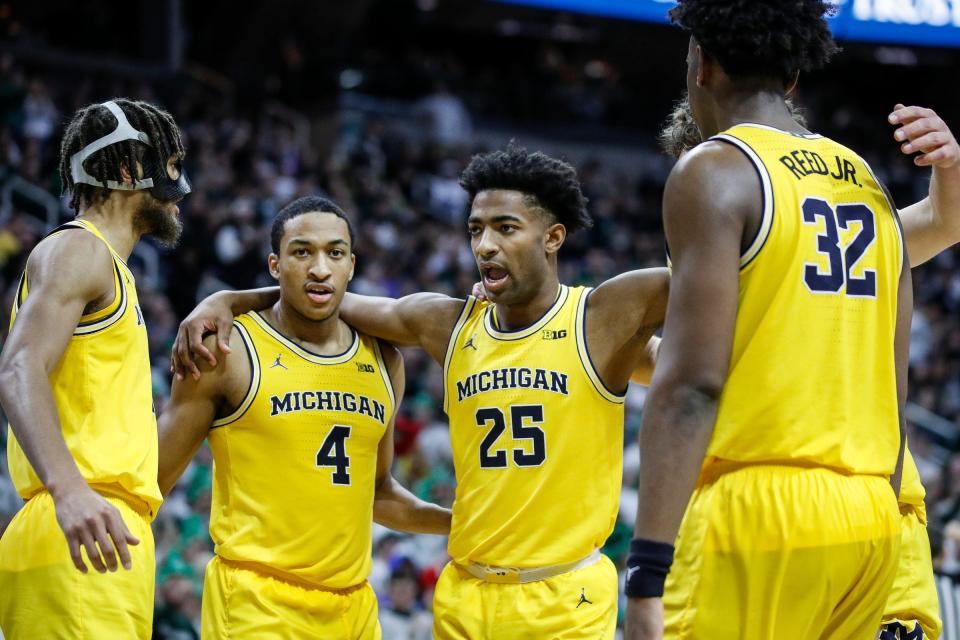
{"x":577,"y":604}
{"x":241,"y":603}
{"x":913,"y":599}
{"x":773,"y":552}
{"x":43,"y":595}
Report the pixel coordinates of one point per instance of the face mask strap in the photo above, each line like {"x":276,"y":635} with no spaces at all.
{"x":124,"y":131}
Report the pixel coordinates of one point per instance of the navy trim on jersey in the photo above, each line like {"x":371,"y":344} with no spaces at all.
{"x":91,"y":327}
{"x":385,"y":374}
{"x":563,"y":294}
{"x":580,"y":326}
{"x":465,"y":311}
{"x":253,"y":387}
{"x":303,"y":352}
{"x":767,"y":210}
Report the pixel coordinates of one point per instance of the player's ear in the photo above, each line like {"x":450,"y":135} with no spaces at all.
{"x":353,"y":266}
{"x":273,"y":265}
{"x":703,"y":70}
{"x":792,"y":85}
{"x":125,"y":173}
{"x":554,"y":237}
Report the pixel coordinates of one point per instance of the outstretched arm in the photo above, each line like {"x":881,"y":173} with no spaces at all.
{"x":933,"y":224}
{"x":67,"y":274}
{"x":215,"y":315}
{"x":393,"y":505}
{"x":424,"y":319}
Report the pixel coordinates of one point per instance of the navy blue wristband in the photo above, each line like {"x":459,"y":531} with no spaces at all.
{"x":647,"y":567}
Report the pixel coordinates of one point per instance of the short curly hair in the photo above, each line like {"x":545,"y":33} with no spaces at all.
{"x":549,"y":183}
{"x":299,"y":207}
{"x":760,"y":38}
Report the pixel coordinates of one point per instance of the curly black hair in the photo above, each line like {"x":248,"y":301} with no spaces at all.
{"x":549,"y":183}
{"x":95,"y":121}
{"x":300,"y":206}
{"x":760,"y":38}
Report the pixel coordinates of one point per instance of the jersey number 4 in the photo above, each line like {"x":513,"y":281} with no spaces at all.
{"x":333,"y":453}
{"x":842,"y":261}
{"x":519,"y":413}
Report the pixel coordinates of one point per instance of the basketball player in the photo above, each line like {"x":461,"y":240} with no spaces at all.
{"x":300,"y":421}
{"x":912,"y":609}
{"x":535,"y":381}
{"x":75,"y":383}
{"x":779,"y":393}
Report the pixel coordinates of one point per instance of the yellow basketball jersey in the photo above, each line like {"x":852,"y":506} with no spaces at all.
{"x":812,"y":377}
{"x":295,"y":464}
{"x":104,"y":395}
{"x":537,"y":438}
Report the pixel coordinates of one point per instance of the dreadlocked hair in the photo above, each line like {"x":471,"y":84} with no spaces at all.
{"x":95,"y":121}
{"x":548,"y":183}
{"x":760,"y":38}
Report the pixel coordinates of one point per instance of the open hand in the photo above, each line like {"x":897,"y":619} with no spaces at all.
{"x":89,"y":521}
{"x":922,"y":131}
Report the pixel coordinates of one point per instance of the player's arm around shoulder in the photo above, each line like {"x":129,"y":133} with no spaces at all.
{"x":68,"y":274}
{"x":422,"y":319}
{"x":393,"y":505}
{"x":622,"y":315}
{"x":194,"y":405}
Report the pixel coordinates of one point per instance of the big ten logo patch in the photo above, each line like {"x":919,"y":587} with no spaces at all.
{"x":363,"y":367}
{"x":550,"y":334}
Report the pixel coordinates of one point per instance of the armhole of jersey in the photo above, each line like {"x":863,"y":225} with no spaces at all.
{"x":580,"y":329}
{"x":465,"y":313}
{"x":385,"y":373}
{"x":254,"y":385}
{"x":109,"y":315}
{"x":91,"y":322}
{"x":766,"y":191}
{"x":893,"y":210}
{"x":21,"y":290}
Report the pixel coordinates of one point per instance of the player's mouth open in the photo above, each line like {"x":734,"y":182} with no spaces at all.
{"x":494,"y":278}
{"x":319,"y":293}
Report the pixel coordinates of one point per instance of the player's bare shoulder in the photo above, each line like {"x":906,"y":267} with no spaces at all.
{"x":636,"y":297}
{"x":74,"y":262}
{"x":715,"y":172}
{"x":230,"y":378}
{"x":432,"y":317}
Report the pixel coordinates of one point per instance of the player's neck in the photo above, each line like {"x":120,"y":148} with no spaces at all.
{"x":115,"y":222}
{"x":519,"y":316}
{"x":329,"y":337}
{"x":759,"y":107}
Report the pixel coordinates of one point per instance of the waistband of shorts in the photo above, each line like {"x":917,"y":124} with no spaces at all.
{"x":717,"y":468}
{"x":510,"y":575}
{"x":136,"y":505}
{"x":265,"y":571}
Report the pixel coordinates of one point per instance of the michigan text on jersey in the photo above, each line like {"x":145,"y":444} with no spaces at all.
{"x":512,"y":378}
{"x":327,"y":401}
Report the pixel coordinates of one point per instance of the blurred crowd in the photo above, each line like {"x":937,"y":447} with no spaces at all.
{"x":402,"y":193}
